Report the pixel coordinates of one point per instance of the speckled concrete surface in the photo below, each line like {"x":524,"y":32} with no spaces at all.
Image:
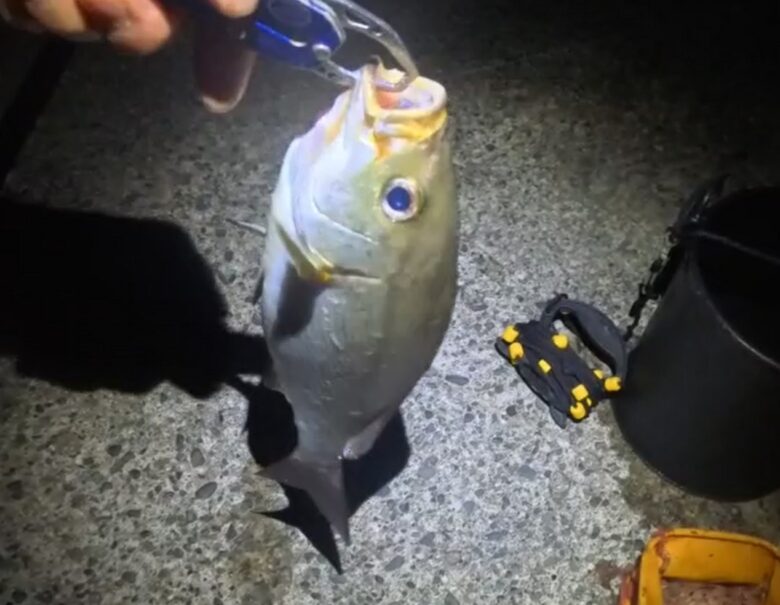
{"x":578,"y":130}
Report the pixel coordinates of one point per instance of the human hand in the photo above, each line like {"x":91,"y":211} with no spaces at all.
{"x":222,"y":64}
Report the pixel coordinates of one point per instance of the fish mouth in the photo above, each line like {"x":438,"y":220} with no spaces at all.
{"x":412,"y":116}
{"x":314,"y":267}
{"x":416,"y":113}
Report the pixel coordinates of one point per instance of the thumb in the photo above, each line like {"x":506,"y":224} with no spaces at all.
{"x":223,"y":66}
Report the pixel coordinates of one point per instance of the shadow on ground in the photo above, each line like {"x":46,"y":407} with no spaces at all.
{"x":92,"y":301}
{"x":98,"y":302}
{"x":664,"y":505}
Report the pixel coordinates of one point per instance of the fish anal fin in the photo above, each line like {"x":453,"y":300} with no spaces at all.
{"x":323,"y":481}
{"x":360,"y":444}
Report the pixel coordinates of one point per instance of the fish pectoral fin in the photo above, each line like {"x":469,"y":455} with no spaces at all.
{"x":296,"y":304}
{"x":359,"y":445}
{"x":313,"y":270}
{"x":323,"y":481}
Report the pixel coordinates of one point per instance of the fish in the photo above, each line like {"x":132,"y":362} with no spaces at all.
{"x":359,"y":274}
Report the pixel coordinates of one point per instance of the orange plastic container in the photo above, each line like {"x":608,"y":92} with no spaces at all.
{"x":702,"y":556}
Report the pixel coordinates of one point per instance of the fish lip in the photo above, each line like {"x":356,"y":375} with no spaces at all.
{"x":417,"y":121}
{"x":437,"y":97}
{"x":421,"y":111}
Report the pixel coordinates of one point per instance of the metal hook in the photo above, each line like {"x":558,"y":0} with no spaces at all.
{"x":356,"y":18}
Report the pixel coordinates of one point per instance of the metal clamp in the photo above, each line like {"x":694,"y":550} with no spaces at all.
{"x":308,"y":33}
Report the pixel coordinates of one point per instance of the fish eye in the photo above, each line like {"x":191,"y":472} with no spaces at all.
{"x":401,"y":200}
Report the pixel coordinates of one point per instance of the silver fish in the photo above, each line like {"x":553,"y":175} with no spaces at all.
{"x":360,"y":273}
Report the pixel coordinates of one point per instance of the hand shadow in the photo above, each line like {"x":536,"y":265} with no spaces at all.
{"x":91,"y":301}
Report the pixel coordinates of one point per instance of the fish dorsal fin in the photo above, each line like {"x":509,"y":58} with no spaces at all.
{"x":256,"y":229}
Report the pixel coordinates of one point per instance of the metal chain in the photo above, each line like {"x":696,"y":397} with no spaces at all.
{"x":647,"y":292}
{"x":664,"y":267}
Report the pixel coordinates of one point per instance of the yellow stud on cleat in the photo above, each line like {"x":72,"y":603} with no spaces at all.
{"x":516,"y":352}
{"x":510,"y":335}
{"x":560,"y":340}
{"x":544,"y":366}
{"x":580,"y":392}
{"x":613,"y":384}
{"x":599,"y":374}
{"x":578,"y":411}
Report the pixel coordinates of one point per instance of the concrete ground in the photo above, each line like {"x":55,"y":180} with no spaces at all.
{"x":125,"y":472}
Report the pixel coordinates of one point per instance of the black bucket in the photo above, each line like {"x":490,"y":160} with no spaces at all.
{"x":701,"y":403}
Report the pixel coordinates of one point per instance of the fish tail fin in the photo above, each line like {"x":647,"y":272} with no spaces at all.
{"x":324,"y":482}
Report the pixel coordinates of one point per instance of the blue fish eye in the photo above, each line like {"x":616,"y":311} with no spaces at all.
{"x":400,"y":200}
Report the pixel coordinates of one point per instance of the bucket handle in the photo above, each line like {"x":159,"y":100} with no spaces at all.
{"x":688,"y":226}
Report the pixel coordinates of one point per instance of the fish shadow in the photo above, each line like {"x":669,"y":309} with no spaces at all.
{"x":93,"y":301}
{"x":271,"y":436}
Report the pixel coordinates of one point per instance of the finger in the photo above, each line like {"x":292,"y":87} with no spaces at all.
{"x":235,"y":8}
{"x":223,"y":67}
{"x":14,"y":12}
{"x":106,"y":16}
{"x":109,"y":16}
{"x":137,"y":26}
{"x":63,"y":17}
